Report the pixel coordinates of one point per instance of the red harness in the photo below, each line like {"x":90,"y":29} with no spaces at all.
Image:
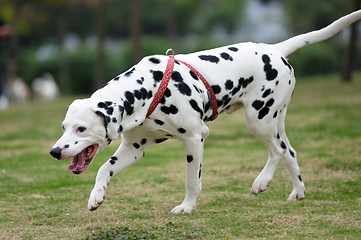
{"x":164,"y":83}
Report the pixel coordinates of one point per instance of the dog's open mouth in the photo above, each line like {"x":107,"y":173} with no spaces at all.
{"x":82,"y":160}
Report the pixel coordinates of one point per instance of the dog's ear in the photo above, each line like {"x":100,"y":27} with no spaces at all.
{"x":112,"y":115}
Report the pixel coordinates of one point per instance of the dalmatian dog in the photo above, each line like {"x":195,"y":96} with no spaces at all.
{"x":255,"y":76}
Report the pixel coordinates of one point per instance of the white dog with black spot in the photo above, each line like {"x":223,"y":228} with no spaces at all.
{"x":144,"y":109}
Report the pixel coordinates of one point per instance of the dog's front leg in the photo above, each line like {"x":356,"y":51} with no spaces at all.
{"x":124,"y":157}
{"x":194,"y":150}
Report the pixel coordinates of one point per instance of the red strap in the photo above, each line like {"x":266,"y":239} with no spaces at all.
{"x":164,"y":83}
{"x":163,"y":86}
{"x":209,"y":88}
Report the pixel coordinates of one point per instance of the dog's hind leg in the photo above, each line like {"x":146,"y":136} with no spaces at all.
{"x":290,"y":159}
{"x":266,"y":131}
{"x":194,"y":146}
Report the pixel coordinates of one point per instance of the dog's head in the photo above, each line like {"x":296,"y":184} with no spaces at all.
{"x":89,"y":126}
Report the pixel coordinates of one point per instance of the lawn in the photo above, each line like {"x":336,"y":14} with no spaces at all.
{"x":41,"y":199}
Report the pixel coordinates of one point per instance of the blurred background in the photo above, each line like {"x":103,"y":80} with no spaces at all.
{"x":53,"y":47}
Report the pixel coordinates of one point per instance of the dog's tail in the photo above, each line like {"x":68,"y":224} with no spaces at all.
{"x":291,"y":45}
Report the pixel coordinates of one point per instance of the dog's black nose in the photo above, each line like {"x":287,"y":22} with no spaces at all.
{"x":56,"y":152}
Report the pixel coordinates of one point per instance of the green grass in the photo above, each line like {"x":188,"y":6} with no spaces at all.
{"x":41,"y":199}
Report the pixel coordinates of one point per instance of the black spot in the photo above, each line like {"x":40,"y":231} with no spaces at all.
{"x":116,"y":78}
{"x":289,"y":82}
{"x":107,"y":119}
{"x":129,"y":73}
{"x":102,"y":105}
{"x":236,"y":90}
{"x":137,"y":94}
{"x":275,"y":114}
{"x":278,"y":136}
{"x":263,"y":112}
{"x":299,"y":178}
{"x":120,"y":129}
{"x":271,"y":73}
{"x":257,"y":104}
{"x":189,"y":158}
{"x":200,"y":171}
{"x":292,"y":154}
{"x":182,"y":130}
{"x":102,"y":86}
{"x":149,"y":94}
{"x":266,"y":93}
{"x":286,"y":63}
{"x":216,"y":89}
{"x":169,"y":110}
{"x":76,"y":142}
{"x":113,"y":160}
{"x":129,"y":96}
{"x":195,"y":106}
{"x":233,"y":49}
{"x":245,"y":82}
{"x":184,"y":89}
{"x":197,"y":90}
{"x":140,"y":82}
{"x":167,"y":93}
{"x":114,"y":120}
{"x":266,"y":59}
{"x":176,"y":76}
{"x":229,"y":84}
{"x":66,"y":146}
{"x":143,"y":93}
{"x":161,"y":140}
{"x":193,"y":75}
{"x":226,"y":99}
{"x":283,"y":145}
{"x":136,"y":145}
{"x":270,"y":102}
{"x":210,"y":58}
{"x":143,"y":141}
{"x":110,"y":110}
{"x":226,"y":56}
{"x":157,"y":76}
{"x":128,"y":108}
{"x":159,"y":122}
{"x":111,"y":173}
{"x":154,"y":60}
{"x":276,"y":83}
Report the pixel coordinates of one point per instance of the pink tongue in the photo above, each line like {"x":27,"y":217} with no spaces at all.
{"x":78,"y":163}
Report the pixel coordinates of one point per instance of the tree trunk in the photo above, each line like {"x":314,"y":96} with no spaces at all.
{"x":100,"y":58}
{"x":11,"y":63}
{"x":135,"y":29}
{"x":346,"y":74}
{"x":62,"y":25}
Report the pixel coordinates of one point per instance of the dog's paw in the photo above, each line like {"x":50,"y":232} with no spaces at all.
{"x":298,"y":194}
{"x":97,"y":197}
{"x":260,"y":184}
{"x":184,"y":208}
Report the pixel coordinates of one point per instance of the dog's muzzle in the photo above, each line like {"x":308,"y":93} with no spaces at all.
{"x":56,"y":152}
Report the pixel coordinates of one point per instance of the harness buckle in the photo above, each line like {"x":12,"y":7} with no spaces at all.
{"x":169,"y":52}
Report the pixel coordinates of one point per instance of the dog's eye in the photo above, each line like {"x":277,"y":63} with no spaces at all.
{"x":81,"y":129}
